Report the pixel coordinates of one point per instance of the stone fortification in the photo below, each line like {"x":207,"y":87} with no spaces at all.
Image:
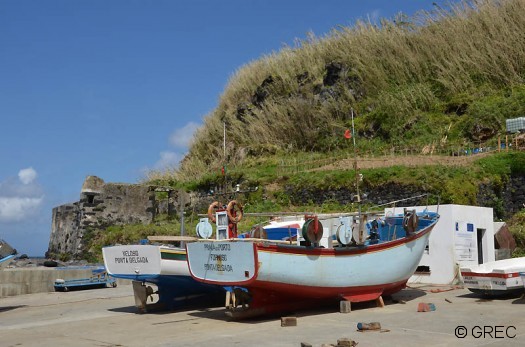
{"x":101,"y":204}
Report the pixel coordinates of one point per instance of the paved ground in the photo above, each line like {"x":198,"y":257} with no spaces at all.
{"x":107,"y":317}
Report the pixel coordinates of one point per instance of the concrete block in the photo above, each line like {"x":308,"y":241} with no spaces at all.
{"x":345,"y":306}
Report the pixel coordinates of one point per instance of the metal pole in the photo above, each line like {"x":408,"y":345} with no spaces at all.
{"x":182,"y":214}
{"x":357,"y":180}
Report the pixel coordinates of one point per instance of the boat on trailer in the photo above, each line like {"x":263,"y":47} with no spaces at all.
{"x":372,"y":257}
{"x":495,"y":278}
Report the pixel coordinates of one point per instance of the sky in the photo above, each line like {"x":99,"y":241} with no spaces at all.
{"x":115,"y":88}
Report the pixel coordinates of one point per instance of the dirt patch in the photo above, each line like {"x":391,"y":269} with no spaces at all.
{"x":414,"y":160}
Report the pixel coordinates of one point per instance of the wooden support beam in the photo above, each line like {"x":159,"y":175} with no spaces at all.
{"x":380,"y":302}
{"x":172,"y":238}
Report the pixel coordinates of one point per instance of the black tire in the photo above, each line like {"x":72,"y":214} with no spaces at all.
{"x":66,"y":289}
{"x":114,"y":284}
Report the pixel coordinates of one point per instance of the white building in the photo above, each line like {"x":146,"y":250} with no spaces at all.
{"x":464,"y":235}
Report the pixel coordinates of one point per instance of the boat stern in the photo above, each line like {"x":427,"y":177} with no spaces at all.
{"x":133,"y":262}
{"x":492,"y":283}
{"x":229,"y":263}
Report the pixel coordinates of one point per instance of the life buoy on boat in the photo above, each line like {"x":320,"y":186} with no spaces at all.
{"x":410,"y":222}
{"x":312,"y":230}
{"x":211,"y":210}
{"x":234,"y":216}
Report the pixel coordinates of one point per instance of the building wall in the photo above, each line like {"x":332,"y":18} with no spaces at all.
{"x":452,"y":246}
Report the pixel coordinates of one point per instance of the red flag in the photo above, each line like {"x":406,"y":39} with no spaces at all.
{"x":223,"y":170}
{"x":348,"y":134}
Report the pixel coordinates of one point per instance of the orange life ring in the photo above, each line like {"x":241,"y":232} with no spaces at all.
{"x":211,"y":210}
{"x":231,"y":209}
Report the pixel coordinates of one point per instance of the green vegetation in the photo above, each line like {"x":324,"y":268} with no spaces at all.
{"x":517,"y":228}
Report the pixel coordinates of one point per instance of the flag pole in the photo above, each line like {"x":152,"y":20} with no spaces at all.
{"x":224,"y":154}
{"x":361,"y":227}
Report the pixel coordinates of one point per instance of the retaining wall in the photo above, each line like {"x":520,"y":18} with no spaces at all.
{"x":36,"y":280}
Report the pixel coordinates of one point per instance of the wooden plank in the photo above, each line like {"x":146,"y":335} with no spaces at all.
{"x":171,"y":238}
{"x":246,"y":240}
{"x":288,"y":321}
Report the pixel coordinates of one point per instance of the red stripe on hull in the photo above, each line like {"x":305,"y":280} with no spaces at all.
{"x":491,"y":274}
{"x":292,"y":249}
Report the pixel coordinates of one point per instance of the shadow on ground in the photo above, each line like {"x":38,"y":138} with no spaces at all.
{"x":9,"y":308}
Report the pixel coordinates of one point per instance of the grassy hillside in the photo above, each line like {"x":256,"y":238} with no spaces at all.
{"x":445,"y":78}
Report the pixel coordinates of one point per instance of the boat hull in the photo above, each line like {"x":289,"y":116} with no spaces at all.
{"x":501,"y":277}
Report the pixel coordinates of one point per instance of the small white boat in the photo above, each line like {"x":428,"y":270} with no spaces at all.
{"x":161,"y":265}
{"x":495,"y":278}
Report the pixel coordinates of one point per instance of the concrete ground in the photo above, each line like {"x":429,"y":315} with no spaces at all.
{"x":108,"y":317}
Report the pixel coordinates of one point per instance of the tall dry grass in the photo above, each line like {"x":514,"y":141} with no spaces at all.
{"x":402,"y":66}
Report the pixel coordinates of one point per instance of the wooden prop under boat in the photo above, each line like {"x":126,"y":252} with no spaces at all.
{"x":269,"y":277}
{"x":500,"y":277}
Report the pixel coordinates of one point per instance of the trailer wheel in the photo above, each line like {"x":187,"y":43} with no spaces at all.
{"x":114,"y":284}
{"x":66,"y":289}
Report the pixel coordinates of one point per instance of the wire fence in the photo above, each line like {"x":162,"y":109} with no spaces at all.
{"x":428,"y":155}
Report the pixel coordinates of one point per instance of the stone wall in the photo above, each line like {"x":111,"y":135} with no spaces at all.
{"x":505,"y":198}
{"x":100,"y":205}
{"x":377,"y":196}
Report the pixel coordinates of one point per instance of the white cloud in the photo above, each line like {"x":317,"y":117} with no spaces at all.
{"x":15,"y":209}
{"x":27,"y":176}
{"x":20,"y":199}
{"x":181,"y":138}
{"x":168,"y":160}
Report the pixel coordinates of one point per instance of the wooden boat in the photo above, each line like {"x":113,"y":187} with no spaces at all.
{"x":495,"y":278}
{"x":269,"y":277}
{"x":166,"y":267}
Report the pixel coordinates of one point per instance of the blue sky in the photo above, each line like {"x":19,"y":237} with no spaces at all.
{"x":113,"y":88}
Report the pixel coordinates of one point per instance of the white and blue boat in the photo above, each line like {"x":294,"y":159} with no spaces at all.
{"x":371,"y":258}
